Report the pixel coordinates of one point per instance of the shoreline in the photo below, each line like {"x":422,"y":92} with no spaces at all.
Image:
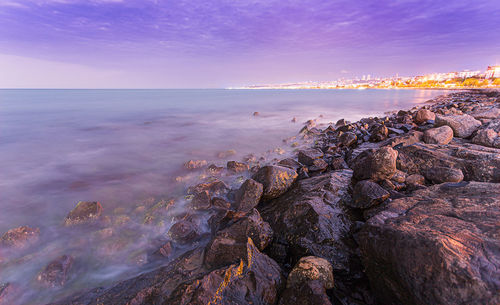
{"x":332,"y":209}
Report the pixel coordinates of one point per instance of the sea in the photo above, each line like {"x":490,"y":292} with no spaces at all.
{"x":126,"y":150}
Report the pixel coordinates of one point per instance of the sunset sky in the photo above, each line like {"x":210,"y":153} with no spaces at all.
{"x":221,"y":43}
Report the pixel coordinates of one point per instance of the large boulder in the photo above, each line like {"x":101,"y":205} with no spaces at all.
{"x":248,"y":195}
{"x":84,"y":212}
{"x":310,"y":293}
{"x":275,"y":179}
{"x":366,"y":194}
{"x":487,"y":137}
{"x":374,"y":164}
{"x":440,"y":135}
{"x":311,"y":268}
{"x":424,"y":115}
{"x":229,"y":244}
{"x":439,"y":246}
{"x":307,"y":156}
{"x":463,"y":125}
{"x":477,"y":163}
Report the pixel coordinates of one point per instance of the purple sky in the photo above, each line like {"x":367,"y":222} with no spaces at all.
{"x":207,"y":43}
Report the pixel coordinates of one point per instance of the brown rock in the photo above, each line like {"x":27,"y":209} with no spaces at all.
{"x":56,"y":273}
{"x":318,"y":165}
{"x":19,"y":238}
{"x":444,"y":174}
{"x":463,"y":125}
{"x":376,"y":165}
{"x":311,"y":268}
{"x":195,"y":164}
{"x":290,"y":163}
{"x":415,"y":179}
{"x":311,"y":293}
{"x":378,"y":133}
{"x":307,"y":156}
{"x":249,"y":195}
{"x":348,"y":139}
{"x":275,"y":179}
{"x":485,"y":137}
{"x":215,"y":188}
{"x":424,"y":115}
{"x":201,"y":201}
{"x":184,"y":231}
{"x":84,"y":212}
{"x":367,"y":194}
{"x":237,"y":167}
{"x":440,"y":135}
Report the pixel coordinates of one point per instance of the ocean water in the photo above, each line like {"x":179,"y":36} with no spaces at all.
{"x":126,"y":147}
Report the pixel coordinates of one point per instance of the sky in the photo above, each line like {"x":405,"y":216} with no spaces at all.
{"x":228,"y":43}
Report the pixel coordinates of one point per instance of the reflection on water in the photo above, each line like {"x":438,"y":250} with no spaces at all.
{"x":125,"y":147}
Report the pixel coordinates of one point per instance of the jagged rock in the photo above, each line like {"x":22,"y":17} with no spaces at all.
{"x":201,"y":201}
{"x":492,"y":113}
{"x":9,"y":293}
{"x":409,"y":138}
{"x":158,"y":212}
{"x":56,"y":273}
{"x":440,"y":135}
{"x":248,"y":195}
{"x":84,"y":212}
{"x":415,"y":179}
{"x":220,"y":203}
{"x":399,"y":176}
{"x":291,"y":163}
{"x":184,"y":231}
{"x":195,"y":164}
{"x":311,"y":268}
{"x":307,"y":156}
{"x":376,"y":165}
{"x":463,"y":125}
{"x":348,"y":139}
{"x":338,"y":163}
{"x":318,"y":165}
{"x":424,"y":115}
{"x":485,"y":137}
{"x":19,"y":238}
{"x":275,"y":179}
{"x":367,"y":194}
{"x":237,"y":167}
{"x":215,"y":188}
{"x":311,"y":293}
{"x":439,"y":246}
{"x":255,"y":280}
{"x":477,"y":163}
{"x":443,"y":174}
{"x":229,"y":243}
{"x":378,"y":132}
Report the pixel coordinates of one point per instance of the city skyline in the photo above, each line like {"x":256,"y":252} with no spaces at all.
{"x":217,"y":44}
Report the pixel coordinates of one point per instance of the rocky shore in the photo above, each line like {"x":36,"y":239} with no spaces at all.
{"x":401,"y":209}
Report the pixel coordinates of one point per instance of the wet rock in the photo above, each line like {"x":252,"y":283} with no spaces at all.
{"x":255,"y":280}
{"x":158,"y":212}
{"x":477,"y":163}
{"x":366,"y":194}
{"x":486,"y":137}
{"x":338,"y":163}
{"x":311,"y":268}
{"x":463,"y":125}
{"x":415,"y":179}
{"x":84,"y":212}
{"x":440,"y":135}
{"x":9,"y":293}
{"x":399,"y":176}
{"x":291,"y":163}
{"x":341,"y":122}
{"x":229,"y":244}
{"x":348,"y":139}
{"x":424,"y":115}
{"x":443,"y":174}
{"x":318,"y":165}
{"x":20,"y":237}
{"x":378,"y":132}
{"x":184,"y":231}
{"x":275,"y":179}
{"x":249,"y":195}
{"x":375,"y":165}
{"x":215,"y":188}
{"x":307,"y":156}
{"x":201,"y":201}
{"x":237,"y":167}
{"x":56,"y":273}
{"x":214,"y":170}
{"x":195,"y":164}
{"x":395,"y":131}
{"x":220,"y":203}
{"x":439,"y":246}
{"x":256,"y":113}
{"x":164,"y":251}
{"x":311,"y":293}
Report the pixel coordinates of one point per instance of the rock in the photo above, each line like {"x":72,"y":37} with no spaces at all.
{"x":415,"y":179}
{"x":378,"y":133}
{"x":338,"y":163}
{"x":348,"y":139}
{"x":318,"y":165}
{"x":424,"y":115}
{"x":311,"y":268}
{"x":249,"y":195}
{"x":9,"y":293}
{"x":290,"y":163}
{"x":440,"y":135}
{"x":195,"y":164}
{"x":367,"y":194}
{"x":84,"y":212}
{"x":255,"y":280}
{"x":485,"y":137}
{"x":226,"y":154}
{"x":256,"y":113}
{"x":308,"y":156}
{"x":20,"y":237}
{"x":311,"y":293}
{"x":184,"y":231}
{"x":275,"y":179}
{"x":201,"y":201}
{"x":220,"y":203}
{"x":229,"y":244}
{"x":443,"y":174}
{"x":214,"y":170}
{"x":439,"y":246}
{"x":341,"y":122}
{"x":477,"y":163}
{"x":399,"y":176}
{"x":215,"y":188}
{"x":463,"y":125}
{"x":158,"y":212}
{"x":395,"y":131}
{"x":56,"y":273}
{"x":376,"y":165}
{"x":492,"y":113}
{"x":237,"y":167}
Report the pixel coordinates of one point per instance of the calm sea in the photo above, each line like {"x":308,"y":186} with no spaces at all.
{"x":119,"y":147}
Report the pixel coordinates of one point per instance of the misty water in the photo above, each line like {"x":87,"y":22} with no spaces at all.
{"x":126,"y":149}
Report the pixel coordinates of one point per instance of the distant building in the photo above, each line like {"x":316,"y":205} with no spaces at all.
{"x":492,"y":72}
{"x":468,"y":73}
